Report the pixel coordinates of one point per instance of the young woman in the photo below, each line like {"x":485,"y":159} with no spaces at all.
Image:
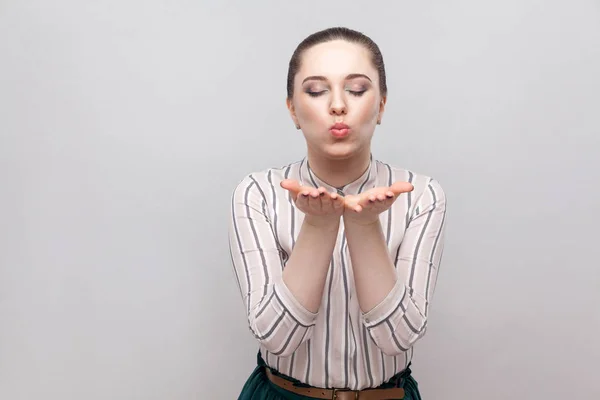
{"x":336,"y":256}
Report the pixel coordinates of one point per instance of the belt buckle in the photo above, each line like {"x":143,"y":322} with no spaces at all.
{"x":336,"y":391}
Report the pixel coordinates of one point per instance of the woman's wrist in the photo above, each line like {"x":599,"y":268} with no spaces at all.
{"x":348,"y":220}
{"x":322,"y":221}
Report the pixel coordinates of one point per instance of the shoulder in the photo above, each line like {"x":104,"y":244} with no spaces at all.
{"x":266,"y":182}
{"x":424,"y":185}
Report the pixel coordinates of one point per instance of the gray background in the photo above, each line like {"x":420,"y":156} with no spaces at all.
{"x":125,"y":126}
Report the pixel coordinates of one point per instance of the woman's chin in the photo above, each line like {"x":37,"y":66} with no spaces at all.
{"x":340,"y":151}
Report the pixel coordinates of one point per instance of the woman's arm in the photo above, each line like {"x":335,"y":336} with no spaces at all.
{"x":306,"y":270}
{"x":374,"y":273}
{"x":281,"y":303}
{"x":395,"y":310}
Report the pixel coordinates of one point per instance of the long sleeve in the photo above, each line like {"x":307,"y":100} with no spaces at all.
{"x":276,"y":319}
{"x":400,"y":319}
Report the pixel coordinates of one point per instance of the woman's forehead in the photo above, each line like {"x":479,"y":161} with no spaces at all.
{"x":336,"y":58}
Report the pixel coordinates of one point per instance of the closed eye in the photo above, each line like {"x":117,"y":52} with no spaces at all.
{"x":352,"y":92}
{"x":357,"y":93}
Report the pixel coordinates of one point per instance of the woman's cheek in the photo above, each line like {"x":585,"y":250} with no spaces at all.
{"x":368,"y":112}
{"x":310,"y":113}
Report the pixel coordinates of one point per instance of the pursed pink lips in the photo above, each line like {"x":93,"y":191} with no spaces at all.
{"x":339,"y":130}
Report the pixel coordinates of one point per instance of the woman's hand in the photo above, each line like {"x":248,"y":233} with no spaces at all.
{"x":318,"y":205}
{"x":365,"y":208}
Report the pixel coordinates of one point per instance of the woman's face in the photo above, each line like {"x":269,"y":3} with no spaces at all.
{"x":337,"y":83}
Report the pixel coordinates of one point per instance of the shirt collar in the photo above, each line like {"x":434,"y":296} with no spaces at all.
{"x":366,"y":181}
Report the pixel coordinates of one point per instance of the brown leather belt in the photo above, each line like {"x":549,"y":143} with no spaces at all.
{"x":337,"y":394}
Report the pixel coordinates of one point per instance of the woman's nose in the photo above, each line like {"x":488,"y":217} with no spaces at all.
{"x":338,"y":105}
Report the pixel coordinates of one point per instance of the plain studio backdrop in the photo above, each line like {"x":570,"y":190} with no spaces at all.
{"x":125,"y":126}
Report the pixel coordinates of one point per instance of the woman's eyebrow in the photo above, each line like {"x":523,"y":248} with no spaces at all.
{"x":348,"y":77}
{"x":314,"y":78}
{"x":353,"y":76}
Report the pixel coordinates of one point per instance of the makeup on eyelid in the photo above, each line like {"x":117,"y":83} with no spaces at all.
{"x":357,"y":91}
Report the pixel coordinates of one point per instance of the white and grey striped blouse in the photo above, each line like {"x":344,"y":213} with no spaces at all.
{"x":339,"y":346}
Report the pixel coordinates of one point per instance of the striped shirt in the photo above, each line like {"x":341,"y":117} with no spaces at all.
{"x":339,"y":346}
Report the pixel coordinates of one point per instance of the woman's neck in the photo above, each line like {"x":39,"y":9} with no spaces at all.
{"x":339,"y":173}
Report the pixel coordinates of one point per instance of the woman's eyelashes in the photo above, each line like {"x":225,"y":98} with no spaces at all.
{"x":314,"y":93}
{"x":357,"y":92}
{"x":317,"y":93}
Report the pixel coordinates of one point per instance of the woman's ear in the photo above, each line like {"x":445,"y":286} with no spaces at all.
{"x":381,"y":109}
{"x":290,"y":105}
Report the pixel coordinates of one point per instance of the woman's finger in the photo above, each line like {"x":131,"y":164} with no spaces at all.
{"x":302,"y":202}
{"x":314,"y":201}
{"x":367,"y":200}
{"x":367,"y":203}
{"x":291,"y":185}
{"x":337,"y":201}
{"x":400,"y":187}
{"x":326,"y":201}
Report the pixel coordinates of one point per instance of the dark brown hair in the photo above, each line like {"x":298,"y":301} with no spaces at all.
{"x":328,"y":35}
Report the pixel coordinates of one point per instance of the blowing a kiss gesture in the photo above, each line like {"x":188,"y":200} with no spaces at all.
{"x":363,"y":209}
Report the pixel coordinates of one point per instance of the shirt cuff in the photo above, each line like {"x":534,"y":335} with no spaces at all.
{"x":289,"y":303}
{"x":387,"y":306}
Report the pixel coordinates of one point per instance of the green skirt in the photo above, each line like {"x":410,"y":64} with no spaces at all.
{"x":259,"y":387}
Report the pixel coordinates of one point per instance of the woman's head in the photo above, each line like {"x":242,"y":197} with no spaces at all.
{"x":332,"y":34}
{"x":337,"y":76}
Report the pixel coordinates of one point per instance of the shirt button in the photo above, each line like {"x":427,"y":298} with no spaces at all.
{"x":340,"y":192}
